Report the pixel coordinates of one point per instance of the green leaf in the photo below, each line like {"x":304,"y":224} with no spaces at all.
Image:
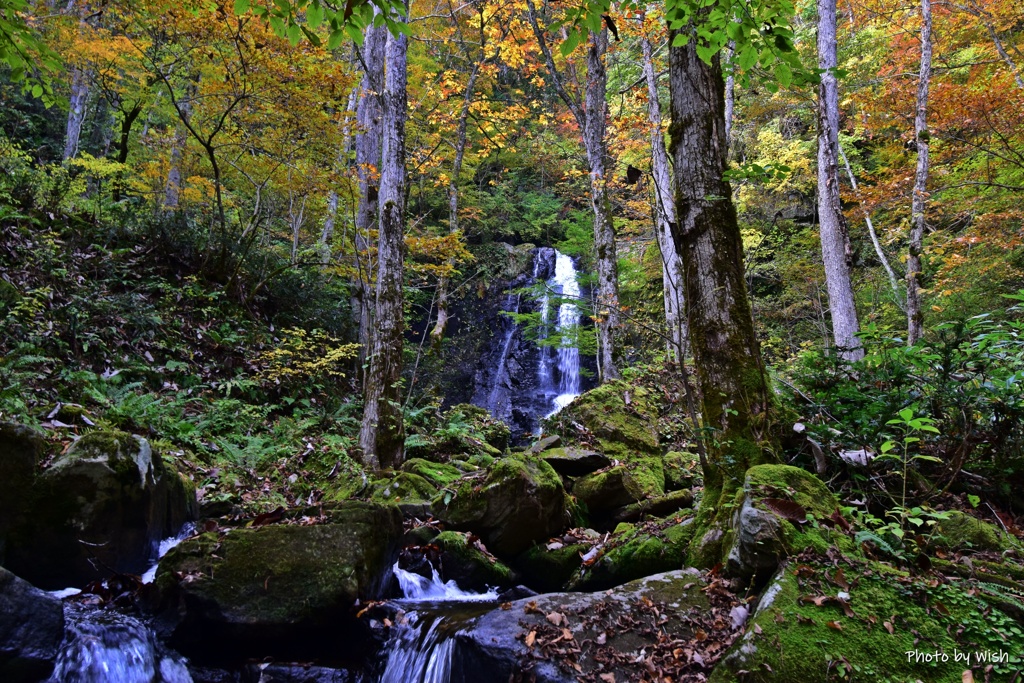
{"x":783,"y":74}
{"x":294,"y":34}
{"x":242,"y":6}
{"x":907,"y":414}
{"x":570,"y":42}
{"x":354,"y":33}
{"x":336,"y":38}
{"x":973,"y":500}
{"x":888,"y":446}
{"x":314,"y":17}
{"x":312,"y":37}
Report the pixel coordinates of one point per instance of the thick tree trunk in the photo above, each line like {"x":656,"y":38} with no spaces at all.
{"x":596,"y":112}
{"x":835,"y":241}
{"x":665,"y":209}
{"x":915,"y":317}
{"x":736,"y":398}
{"x":382,"y":436}
{"x":368,"y":161}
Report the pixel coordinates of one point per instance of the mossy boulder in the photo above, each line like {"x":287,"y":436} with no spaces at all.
{"x":961,"y":531}
{"x":638,"y":550}
{"x":622,"y":418}
{"x":772,"y":520}
{"x":468,"y":566}
{"x":463,"y":430}
{"x":21,"y":450}
{"x":655,"y":507}
{"x":102,"y":507}
{"x":438,"y":474}
{"x":682,"y":470}
{"x":813,"y":622}
{"x":575,"y":462}
{"x":404,"y":487}
{"x":264,"y":583}
{"x":607,"y":490}
{"x":517,"y":501}
{"x":549,"y":569}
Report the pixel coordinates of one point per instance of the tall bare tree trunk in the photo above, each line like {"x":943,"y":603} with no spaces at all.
{"x":382,"y":436}
{"x":671,"y":264}
{"x":835,"y":241}
{"x":590,"y":115}
{"x":736,"y":398}
{"x":79,"y":101}
{"x":915,"y":317}
{"x":172,"y":189}
{"x":332,"y":198}
{"x":368,"y":162}
{"x":596,"y":112}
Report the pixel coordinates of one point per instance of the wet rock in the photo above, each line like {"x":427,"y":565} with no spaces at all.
{"x":21,"y":449}
{"x":102,"y":507}
{"x":574,"y":462}
{"x":31,"y":630}
{"x":275,"y":588}
{"x":614,"y":625}
{"x":516,"y":502}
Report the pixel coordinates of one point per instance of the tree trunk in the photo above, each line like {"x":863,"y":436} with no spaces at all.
{"x":382,"y":436}
{"x":665,"y":210}
{"x":79,"y":100}
{"x":730,"y":93}
{"x":368,"y":159}
{"x":915,"y":317}
{"x":172,"y":190}
{"x":835,"y":241}
{"x":332,"y":198}
{"x":596,"y":112}
{"x":736,"y":398}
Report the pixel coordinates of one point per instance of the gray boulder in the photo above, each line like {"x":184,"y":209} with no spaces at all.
{"x":31,"y":630}
{"x":575,"y":462}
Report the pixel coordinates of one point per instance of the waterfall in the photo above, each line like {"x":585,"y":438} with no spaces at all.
{"x":565,"y":284}
{"x":498,"y":398}
{"x":420,"y":649}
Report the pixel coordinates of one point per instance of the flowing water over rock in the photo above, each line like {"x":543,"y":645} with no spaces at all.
{"x":521,"y":379}
{"x":420,"y":649}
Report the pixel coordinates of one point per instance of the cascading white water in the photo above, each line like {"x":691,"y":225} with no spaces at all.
{"x":420,"y":650}
{"x":564,"y":283}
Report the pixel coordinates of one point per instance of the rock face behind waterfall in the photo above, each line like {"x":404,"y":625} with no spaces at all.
{"x":102,"y":507}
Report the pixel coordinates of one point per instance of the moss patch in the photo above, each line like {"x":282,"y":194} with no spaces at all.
{"x":793,"y":639}
{"x":622,"y":418}
{"x":639,"y":550}
{"x":469,"y":567}
{"x":405,"y":487}
{"x":961,"y":531}
{"x":438,"y":474}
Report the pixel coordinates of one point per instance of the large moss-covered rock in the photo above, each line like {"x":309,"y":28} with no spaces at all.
{"x":263,"y":583}
{"x":411,"y":492}
{"x":469,"y":567}
{"x":866,"y":623}
{"x":515,"y":502}
{"x":622,"y":418}
{"x":31,"y":630}
{"x":438,"y":474}
{"x":574,"y":462}
{"x":682,"y":470}
{"x":550,"y":569}
{"x":772,"y":519}
{"x":610,"y":489}
{"x":102,"y":507}
{"x":21,"y":449}
{"x":635,"y":551}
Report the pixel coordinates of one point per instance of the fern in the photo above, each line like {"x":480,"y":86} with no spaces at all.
{"x":882,"y":544}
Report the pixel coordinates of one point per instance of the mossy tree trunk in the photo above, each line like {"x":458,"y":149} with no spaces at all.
{"x":382,"y":436}
{"x":915,"y":316}
{"x":736,"y":398}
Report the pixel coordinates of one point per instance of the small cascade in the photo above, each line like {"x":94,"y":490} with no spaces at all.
{"x":104,"y":646}
{"x":498,"y":401}
{"x":165,"y":547}
{"x":420,"y":649}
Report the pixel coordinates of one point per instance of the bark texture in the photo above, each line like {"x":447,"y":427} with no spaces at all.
{"x":382,"y":436}
{"x":368,"y":162}
{"x":835,"y":240}
{"x":665,"y":210}
{"x":915,"y":317}
{"x":736,"y":399}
